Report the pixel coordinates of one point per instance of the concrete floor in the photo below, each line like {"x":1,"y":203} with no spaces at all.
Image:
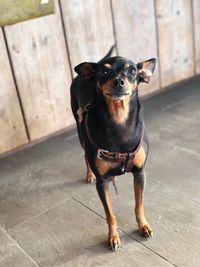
{"x":50,"y":217}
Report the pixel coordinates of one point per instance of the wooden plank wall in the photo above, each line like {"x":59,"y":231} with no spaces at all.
{"x":42,"y":72}
{"x":175,"y":37}
{"x":89,"y":29}
{"x":12,"y":129}
{"x":131,"y":18}
{"x":37,"y":57}
{"x":196,"y":23}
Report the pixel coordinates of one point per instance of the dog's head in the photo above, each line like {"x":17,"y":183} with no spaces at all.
{"x":116,"y":77}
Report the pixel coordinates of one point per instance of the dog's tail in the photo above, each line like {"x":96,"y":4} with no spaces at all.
{"x":108,"y":55}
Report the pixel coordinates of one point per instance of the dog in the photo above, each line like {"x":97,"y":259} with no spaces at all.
{"x":107,"y":110}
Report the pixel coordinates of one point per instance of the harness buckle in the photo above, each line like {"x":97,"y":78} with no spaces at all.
{"x":99,"y":151}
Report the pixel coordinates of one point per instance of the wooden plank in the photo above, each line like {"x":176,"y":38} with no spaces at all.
{"x":12,"y":130}
{"x":136,"y":34}
{"x":42,"y":72}
{"x":12,"y":11}
{"x":175,"y":40}
{"x":196,"y":25}
{"x":89,"y":29}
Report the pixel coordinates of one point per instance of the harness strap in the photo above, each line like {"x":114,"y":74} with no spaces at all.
{"x":106,"y":155}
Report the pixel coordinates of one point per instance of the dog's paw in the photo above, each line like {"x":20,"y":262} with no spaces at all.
{"x":114,"y":241}
{"x":146,"y":231}
{"x":90,"y":178}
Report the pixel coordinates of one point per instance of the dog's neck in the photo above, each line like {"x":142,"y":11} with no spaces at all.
{"x":118,"y":112}
{"x":121,"y":136}
{"x":118,"y":109}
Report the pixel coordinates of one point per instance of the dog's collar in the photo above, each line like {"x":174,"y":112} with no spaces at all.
{"x":126,"y":157}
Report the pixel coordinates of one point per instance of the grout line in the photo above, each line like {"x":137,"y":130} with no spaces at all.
{"x":185,"y":119}
{"x":114,"y":28}
{"x":185,"y":149}
{"x":93,"y":211}
{"x":40,"y":213}
{"x":174,"y":191}
{"x":158,"y":254}
{"x":18,"y":246}
{"x":182,"y":101}
{"x":96,"y":213}
{"x":65,"y":37}
{"x":124,"y":231}
{"x":16,"y":85}
{"x":194,"y":153}
{"x":72,"y":136}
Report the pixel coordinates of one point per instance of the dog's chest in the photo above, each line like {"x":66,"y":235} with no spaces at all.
{"x":118,"y":168}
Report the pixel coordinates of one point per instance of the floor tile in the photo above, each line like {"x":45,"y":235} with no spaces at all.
{"x":72,"y":235}
{"x":174,"y":217}
{"x":11,"y":255}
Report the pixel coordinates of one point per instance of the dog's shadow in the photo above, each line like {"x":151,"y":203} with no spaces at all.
{"x":137,"y":236}
{"x":100,"y":253}
{"x":102,"y":250}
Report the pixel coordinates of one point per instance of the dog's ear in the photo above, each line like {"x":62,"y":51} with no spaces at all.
{"x":146,"y":69}
{"x":86,"y":70}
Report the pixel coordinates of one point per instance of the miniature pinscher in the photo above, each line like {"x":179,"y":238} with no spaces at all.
{"x":107,"y":110}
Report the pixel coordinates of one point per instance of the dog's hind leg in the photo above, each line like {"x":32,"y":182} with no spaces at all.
{"x":139,"y":186}
{"x":90,"y":177}
{"x":104,"y":194}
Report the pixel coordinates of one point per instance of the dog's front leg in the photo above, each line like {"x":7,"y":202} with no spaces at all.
{"x":139,"y":186}
{"x":90,"y":177}
{"x":104,"y":194}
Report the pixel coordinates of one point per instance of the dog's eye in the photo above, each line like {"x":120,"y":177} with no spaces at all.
{"x":105,"y":72}
{"x":132,"y":70}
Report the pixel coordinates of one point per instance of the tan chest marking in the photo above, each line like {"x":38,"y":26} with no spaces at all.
{"x":119,"y":110}
{"x":104,"y":166}
{"x":140,"y":158}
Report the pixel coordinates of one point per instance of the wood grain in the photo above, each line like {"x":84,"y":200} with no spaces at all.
{"x":42,"y":72}
{"x":12,"y":130}
{"x":136,"y":34}
{"x":196,"y":13}
{"x":89,"y":29}
{"x":41,"y":65}
{"x":175,"y":40}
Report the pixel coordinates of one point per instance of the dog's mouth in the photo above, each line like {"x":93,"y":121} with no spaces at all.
{"x":117,"y":96}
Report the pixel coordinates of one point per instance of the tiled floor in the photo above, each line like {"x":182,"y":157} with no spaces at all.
{"x":50,"y":217}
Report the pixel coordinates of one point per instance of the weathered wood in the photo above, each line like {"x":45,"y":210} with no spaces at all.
{"x":89,"y":29}
{"x":42,"y":72}
{"x":136,"y":34}
{"x":175,"y":40}
{"x":12,"y":11}
{"x":196,"y":13}
{"x":41,"y":65}
{"x":12,"y":130}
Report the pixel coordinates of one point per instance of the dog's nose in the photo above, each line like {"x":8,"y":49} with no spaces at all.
{"x":118,"y":82}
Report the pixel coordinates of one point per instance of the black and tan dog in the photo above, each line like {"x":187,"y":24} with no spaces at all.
{"x":105,"y":104}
